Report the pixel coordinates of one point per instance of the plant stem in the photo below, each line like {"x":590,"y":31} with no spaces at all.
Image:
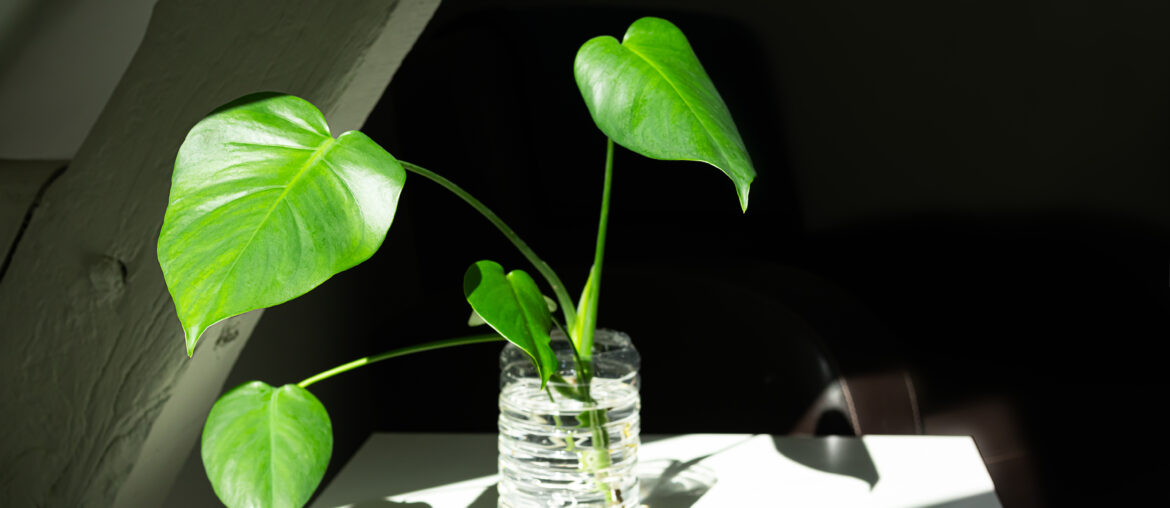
{"x":417,"y":348}
{"x":586,"y":328}
{"x":558,"y":287}
{"x":589,"y":305}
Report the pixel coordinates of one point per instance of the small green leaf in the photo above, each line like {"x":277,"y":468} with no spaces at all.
{"x":650,"y":94}
{"x":581,"y":332}
{"x":513,"y":305}
{"x":265,"y":205}
{"x":265,"y":446}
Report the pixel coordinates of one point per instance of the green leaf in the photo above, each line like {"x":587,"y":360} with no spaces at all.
{"x":581,"y":332}
{"x":476,"y":320}
{"x":265,"y":205}
{"x":650,"y":94}
{"x":265,"y":446}
{"x":513,"y":305}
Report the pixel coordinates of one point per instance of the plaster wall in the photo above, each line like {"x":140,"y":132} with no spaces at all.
{"x":101,"y":403}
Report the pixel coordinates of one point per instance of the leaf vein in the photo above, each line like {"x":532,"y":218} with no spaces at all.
{"x":267,"y":145}
{"x":706,"y":128}
{"x":317,"y":154}
{"x":272,"y":447}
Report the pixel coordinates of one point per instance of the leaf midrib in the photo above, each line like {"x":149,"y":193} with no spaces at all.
{"x":318,"y":153}
{"x":706,"y":129}
{"x":528,"y":321}
{"x":528,"y":324}
{"x":272,"y":447}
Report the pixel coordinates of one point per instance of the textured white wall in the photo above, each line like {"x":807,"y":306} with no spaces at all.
{"x":19,"y":183}
{"x":100,"y":404}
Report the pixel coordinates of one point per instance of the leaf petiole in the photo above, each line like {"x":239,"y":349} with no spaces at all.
{"x":417,"y":348}
{"x":558,"y":287}
{"x":587,"y":314}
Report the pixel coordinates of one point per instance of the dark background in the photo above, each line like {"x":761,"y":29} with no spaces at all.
{"x":977,"y":192}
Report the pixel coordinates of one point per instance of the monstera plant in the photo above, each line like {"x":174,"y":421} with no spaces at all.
{"x":266,"y":204}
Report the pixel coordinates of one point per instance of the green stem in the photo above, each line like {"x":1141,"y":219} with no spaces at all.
{"x":589,"y":309}
{"x":417,"y":348}
{"x":558,"y":287}
{"x":588,"y":324}
{"x":603,"y":224}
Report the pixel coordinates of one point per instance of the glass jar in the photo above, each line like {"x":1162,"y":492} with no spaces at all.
{"x":568,"y":447}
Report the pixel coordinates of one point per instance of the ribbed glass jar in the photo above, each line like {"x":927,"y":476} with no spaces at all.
{"x":566,"y":450}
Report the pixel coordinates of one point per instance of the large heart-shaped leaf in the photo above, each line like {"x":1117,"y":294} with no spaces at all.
{"x":650,"y":94}
{"x":513,"y":305}
{"x":265,"y":446}
{"x":265,"y":205}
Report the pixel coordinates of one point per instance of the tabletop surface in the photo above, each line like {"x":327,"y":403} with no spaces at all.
{"x":692,"y":470}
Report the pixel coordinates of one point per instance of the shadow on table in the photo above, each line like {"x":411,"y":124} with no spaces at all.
{"x":831,"y":454}
{"x":984,"y":500}
{"x":675,"y":483}
{"x":364,"y":481}
{"x":677,"y":491}
{"x":488,"y":499}
{"x":678,"y":485}
{"x":384,"y":503}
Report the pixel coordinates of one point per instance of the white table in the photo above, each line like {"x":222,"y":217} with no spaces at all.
{"x":703,"y":471}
